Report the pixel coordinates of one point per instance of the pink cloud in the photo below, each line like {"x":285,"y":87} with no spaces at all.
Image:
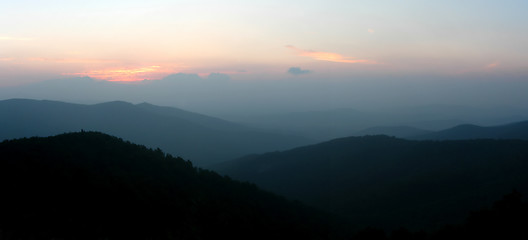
{"x":328,"y":56}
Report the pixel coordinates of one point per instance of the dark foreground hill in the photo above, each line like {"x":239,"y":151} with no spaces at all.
{"x":199,"y":138}
{"x":387,"y":182}
{"x":518,"y":130}
{"x":93,"y":186}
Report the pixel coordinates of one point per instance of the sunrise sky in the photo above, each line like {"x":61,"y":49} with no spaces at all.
{"x":136,"y":40}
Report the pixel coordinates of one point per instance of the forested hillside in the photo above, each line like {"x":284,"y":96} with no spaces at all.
{"x":388,"y":182}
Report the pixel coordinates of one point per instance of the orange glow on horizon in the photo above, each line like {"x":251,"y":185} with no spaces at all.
{"x":127,"y":74}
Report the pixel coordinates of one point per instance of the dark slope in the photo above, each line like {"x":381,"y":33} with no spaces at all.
{"x":395,"y":131}
{"x":93,"y":186}
{"x":197,"y":137}
{"x":388,"y":182}
{"x":517,"y":130}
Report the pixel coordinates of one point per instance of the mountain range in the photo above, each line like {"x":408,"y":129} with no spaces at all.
{"x":517,"y":130}
{"x":401,"y":122}
{"x":394,"y":131}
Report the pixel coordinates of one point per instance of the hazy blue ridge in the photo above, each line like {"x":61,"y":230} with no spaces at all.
{"x":202,"y":139}
{"x":517,"y":130}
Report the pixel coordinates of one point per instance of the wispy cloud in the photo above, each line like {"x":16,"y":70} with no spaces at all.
{"x":298,"y":71}
{"x":370,"y":30}
{"x":328,"y":56}
{"x":70,"y":60}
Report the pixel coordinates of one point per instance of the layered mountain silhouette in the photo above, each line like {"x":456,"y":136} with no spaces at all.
{"x":320,"y":125}
{"x":518,"y":130}
{"x":396,"y":131}
{"x":405,"y":122}
{"x":200,"y":138}
{"x":90,"y":185}
{"x":388,"y":182}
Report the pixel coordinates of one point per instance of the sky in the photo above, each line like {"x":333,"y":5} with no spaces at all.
{"x":262,"y":40}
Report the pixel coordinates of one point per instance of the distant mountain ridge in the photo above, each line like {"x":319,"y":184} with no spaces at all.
{"x":404,"y":122}
{"x":197,"y":137}
{"x":517,"y":130}
{"x":395,"y":131}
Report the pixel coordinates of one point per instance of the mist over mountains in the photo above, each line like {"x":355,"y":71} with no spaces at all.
{"x":410,"y":122}
{"x":415,"y":102}
{"x":517,"y":130}
{"x":395,"y":131}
